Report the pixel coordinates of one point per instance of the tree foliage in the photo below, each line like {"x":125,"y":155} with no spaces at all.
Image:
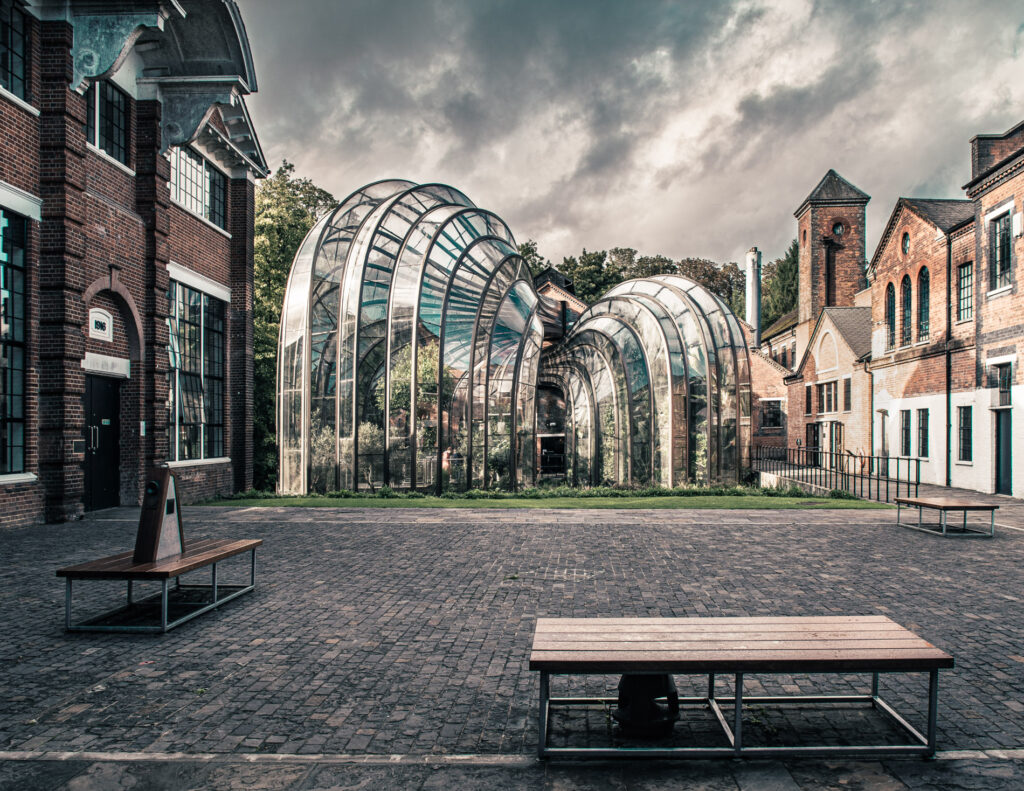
{"x":779,"y":285}
{"x":286,"y":208}
{"x":533,"y":259}
{"x":593,"y":273}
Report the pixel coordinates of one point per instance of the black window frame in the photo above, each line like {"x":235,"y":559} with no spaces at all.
{"x":808,"y":399}
{"x":905,"y":447}
{"x":771,"y":414}
{"x":890,"y":316}
{"x":965,"y":291}
{"x":13,"y":340}
{"x":1004,"y":383}
{"x":965,"y":433}
{"x":15,"y":51}
{"x":906,"y":311}
{"x":999,"y":252}
{"x":196,"y":373}
{"x":108,"y":120}
{"x":848,"y":394}
{"x":198,"y":185}
{"x":922,"y":433}
{"x":923,"y":304}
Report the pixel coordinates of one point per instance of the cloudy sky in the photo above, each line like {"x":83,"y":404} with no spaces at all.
{"x":680,"y":128}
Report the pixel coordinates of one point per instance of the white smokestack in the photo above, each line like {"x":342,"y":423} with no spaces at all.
{"x":753,"y":273}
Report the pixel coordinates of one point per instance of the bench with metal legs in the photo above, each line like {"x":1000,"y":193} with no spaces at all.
{"x":944,"y":505}
{"x":122,"y":567}
{"x":737,"y":647}
{"x":919,"y":744}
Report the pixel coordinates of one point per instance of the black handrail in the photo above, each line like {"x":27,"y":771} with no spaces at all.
{"x":868,"y":477}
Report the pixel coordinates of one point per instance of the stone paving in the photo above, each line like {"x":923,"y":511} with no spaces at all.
{"x":406,"y":632}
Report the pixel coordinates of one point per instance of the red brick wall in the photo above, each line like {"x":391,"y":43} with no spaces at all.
{"x":814,"y":226}
{"x":987,"y":150}
{"x":104,"y":241}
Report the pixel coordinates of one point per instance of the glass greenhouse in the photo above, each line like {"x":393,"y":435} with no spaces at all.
{"x":415,"y":352}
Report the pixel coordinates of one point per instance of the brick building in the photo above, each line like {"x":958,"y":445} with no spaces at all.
{"x":127,"y":168}
{"x":947,"y":306}
{"x":927,"y":335}
{"x":820,"y":349}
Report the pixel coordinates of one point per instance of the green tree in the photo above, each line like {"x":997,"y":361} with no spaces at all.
{"x":286,"y":208}
{"x":779,"y":282}
{"x":533,"y":259}
{"x":591,"y":274}
{"x":651,"y":265}
{"x":725,"y":280}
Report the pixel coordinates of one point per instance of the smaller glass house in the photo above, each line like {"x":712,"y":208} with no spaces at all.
{"x":416,"y":353}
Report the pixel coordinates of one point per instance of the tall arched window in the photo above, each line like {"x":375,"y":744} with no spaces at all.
{"x":905,"y":311}
{"x":890,"y":316}
{"x":922,"y":305}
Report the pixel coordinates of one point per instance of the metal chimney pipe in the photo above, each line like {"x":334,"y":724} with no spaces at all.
{"x":753,"y":274}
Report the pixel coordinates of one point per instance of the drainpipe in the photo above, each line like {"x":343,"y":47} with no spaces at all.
{"x":949,"y":359}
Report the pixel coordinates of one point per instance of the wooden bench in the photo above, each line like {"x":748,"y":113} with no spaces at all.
{"x":944,"y":505}
{"x":735,"y":646}
{"x":161,"y":555}
{"x":207,"y":552}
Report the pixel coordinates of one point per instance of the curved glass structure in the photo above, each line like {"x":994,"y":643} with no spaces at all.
{"x":416,"y":353}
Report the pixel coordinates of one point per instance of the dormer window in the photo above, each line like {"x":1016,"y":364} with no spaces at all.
{"x":198,"y":186}
{"x":107,"y":124}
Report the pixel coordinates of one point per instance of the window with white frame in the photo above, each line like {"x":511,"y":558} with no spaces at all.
{"x":13,"y":231}
{"x":999,"y":252}
{"x":965,"y":431}
{"x":198,"y":186}
{"x":107,"y":121}
{"x":196,"y":377}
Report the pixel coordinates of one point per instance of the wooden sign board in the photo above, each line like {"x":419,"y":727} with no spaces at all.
{"x":160,"y":532}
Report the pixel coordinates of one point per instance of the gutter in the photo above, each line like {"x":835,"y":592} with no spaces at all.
{"x":949,"y":361}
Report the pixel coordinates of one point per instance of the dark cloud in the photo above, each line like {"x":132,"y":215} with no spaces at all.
{"x":567,"y":117}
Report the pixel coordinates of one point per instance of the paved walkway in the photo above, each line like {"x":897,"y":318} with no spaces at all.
{"x":405,"y":632}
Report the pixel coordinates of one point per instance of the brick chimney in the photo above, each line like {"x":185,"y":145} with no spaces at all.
{"x":753,"y":274}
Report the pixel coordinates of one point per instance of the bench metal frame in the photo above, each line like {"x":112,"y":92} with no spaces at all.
{"x":920,"y":744}
{"x":215,"y":587}
{"x":960,"y":532}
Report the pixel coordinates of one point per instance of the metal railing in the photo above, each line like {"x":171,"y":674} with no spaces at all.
{"x":868,"y":477}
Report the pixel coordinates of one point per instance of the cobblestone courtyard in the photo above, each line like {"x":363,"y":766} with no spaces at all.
{"x":407,"y":632}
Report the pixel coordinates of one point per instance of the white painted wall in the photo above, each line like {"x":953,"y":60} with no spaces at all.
{"x":979,"y":473}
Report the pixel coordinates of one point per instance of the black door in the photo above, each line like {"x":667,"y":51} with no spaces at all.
{"x":1003,"y":452}
{"x":813,"y":444}
{"x":552,"y":455}
{"x":102,"y":442}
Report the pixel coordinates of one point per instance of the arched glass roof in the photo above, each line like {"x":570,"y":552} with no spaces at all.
{"x":413,"y":344}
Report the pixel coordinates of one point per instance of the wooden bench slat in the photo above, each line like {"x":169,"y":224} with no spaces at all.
{"x":806,"y":660}
{"x":668,"y":636}
{"x":746,"y":646}
{"x":945,"y":504}
{"x":730,"y":621}
{"x":826,"y":643}
{"x":198,"y":554}
{"x":612,"y":632}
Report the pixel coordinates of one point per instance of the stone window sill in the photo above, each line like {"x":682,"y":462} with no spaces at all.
{"x":18,"y":477}
{"x":199,"y":462}
{"x":998,"y":292}
{"x":28,"y":108}
{"x":201,"y":218}
{"x":105,"y":156}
